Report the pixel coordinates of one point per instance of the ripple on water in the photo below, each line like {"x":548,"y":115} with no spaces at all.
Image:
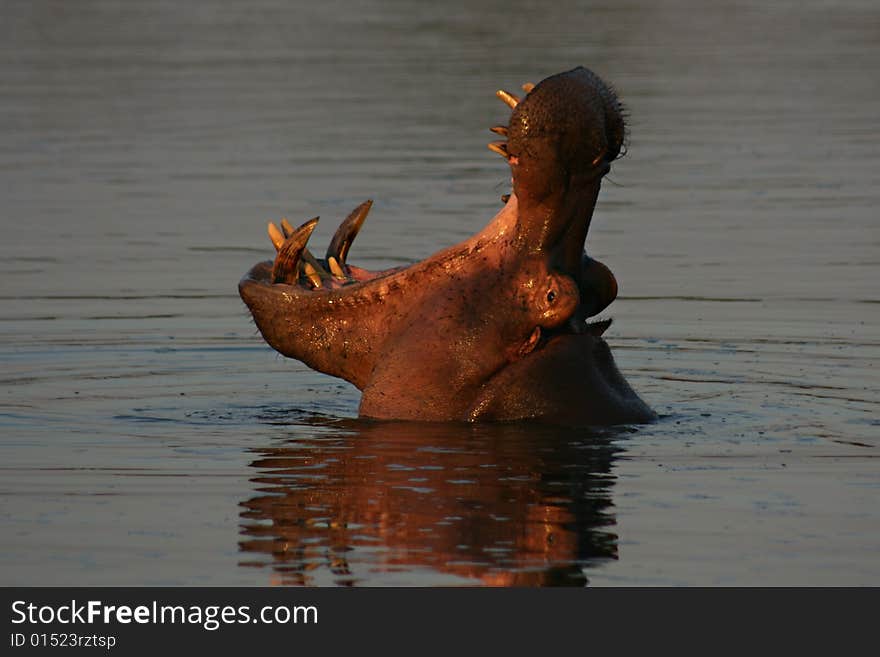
{"x":150,"y":436}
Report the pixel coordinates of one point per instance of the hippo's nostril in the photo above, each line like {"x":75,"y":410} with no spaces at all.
{"x":286,"y":266}
{"x":347,"y":231}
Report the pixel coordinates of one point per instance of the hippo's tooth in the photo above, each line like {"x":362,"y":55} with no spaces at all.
{"x":315,"y":264}
{"x":499,"y":130}
{"x":316,"y":268}
{"x":276,"y":235}
{"x":528,"y":86}
{"x":285,"y":269}
{"x":312,"y":274}
{"x":286,"y":227}
{"x":347,"y":231}
{"x":509,"y":99}
{"x":499,"y":147}
{"x":335,"y":269}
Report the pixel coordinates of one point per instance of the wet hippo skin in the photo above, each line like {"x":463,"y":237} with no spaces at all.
{"x":497,"y":327}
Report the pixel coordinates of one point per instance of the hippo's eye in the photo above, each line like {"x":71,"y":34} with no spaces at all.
{"x":551,"y":296}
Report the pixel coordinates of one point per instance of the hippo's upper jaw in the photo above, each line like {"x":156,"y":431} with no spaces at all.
{"x":493,"y":328}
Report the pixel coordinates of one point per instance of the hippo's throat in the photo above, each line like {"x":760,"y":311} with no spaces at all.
{"x":557,"y":224}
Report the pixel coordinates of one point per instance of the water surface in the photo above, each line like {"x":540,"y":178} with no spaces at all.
{"x":150,"y":437}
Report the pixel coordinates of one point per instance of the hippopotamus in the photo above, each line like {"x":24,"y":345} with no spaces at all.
{"x":499,"y":327}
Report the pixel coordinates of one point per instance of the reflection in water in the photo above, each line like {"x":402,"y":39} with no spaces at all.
{"x":499,"y":505}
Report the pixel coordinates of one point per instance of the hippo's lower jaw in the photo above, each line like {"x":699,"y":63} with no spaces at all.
{"x":494,"y":328}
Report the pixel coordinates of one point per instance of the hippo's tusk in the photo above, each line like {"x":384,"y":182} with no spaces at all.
{"x":285,"y":269}
{"x":315,"y":270}
{"x":499,"y":130}
{"x":528,"y":86}
{"x":347,"y":231}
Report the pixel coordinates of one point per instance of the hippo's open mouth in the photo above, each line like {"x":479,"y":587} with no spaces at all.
{"x":496,"y":327}
{"x":295,"y":265}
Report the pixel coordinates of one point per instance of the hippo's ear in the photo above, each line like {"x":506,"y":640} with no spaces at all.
{"x":529,"y":345}
{"x":598,"y":286}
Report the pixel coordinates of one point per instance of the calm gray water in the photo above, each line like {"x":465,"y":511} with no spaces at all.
{"x":150,"y":437}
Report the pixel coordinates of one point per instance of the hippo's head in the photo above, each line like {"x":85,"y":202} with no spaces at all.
{"x":496,"y":327}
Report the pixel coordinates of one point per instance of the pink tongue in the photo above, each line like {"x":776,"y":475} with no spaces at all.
{"x":359,"y":274}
